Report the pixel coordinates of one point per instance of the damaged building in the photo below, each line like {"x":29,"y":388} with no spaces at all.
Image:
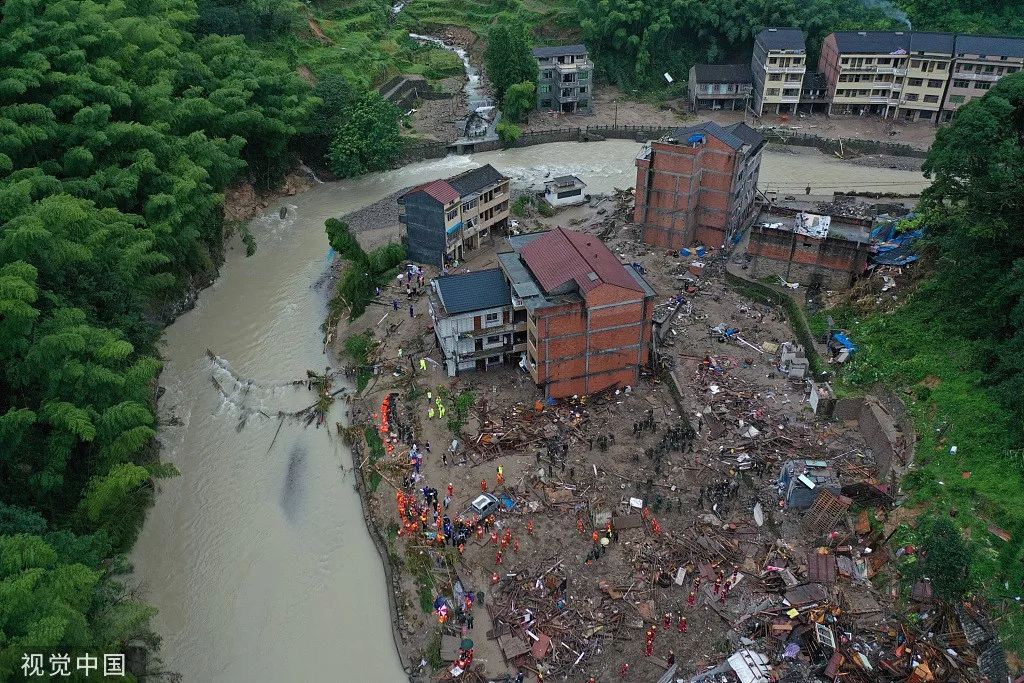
{"x":698,"y":184}
{"x":588,"y":316}
{"x":813,"y":250}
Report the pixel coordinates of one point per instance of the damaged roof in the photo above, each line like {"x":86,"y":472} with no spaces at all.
{"x":735,"y":135}
{"x":560,"y":256}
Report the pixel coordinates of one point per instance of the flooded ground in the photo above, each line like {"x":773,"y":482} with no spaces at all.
{"x":256,"y":556}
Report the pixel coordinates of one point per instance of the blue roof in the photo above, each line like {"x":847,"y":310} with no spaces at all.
{"x":474,"y":291}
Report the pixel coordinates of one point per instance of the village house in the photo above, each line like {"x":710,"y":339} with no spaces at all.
{"x":719,"y":86}
{"x":446,"y":220}
{"x":475,"y":325}
{"x":565,"y":190}
{"x":978,"y":62}
{"x":777,"y":69}
{"x":698,"y":184}
{"x":588,"y":316}
{"x":565,"y":81}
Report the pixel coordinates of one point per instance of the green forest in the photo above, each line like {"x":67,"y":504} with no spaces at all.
{"x":123,"y":122}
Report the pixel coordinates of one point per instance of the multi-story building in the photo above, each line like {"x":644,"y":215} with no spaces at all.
{"x":887,"y":73}
{"x":978,"y":62}
{"x":475,"y":325}
{"x":698,"y":184}
{"x":588,"y":316}
{"x":814,"y":93}
{"x":446,"y":220}
{"x":719,"y":86}
{"x":566,"y":80}
{"x":777,"y":68}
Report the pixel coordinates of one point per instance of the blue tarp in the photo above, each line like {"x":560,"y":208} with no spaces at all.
{"x":506,"y":500}
{"x":455,"y":228}
{"x":898,"y":250}
{"x":845,"y":341}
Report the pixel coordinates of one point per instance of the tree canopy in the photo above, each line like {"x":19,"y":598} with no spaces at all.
{"x":509,"y":58}
{"x":119,"y":129}
{"x":370,"y":140}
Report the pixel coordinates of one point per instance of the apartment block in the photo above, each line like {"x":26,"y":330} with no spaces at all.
{"x":978,"y":62}
{"x":588,"y":316}
{"x":475,"y":325}
{"x":719,"y":86}
{"x":887,"y":73}
{"x":777,"y":68}
{"x":698,"y":184}
{"x":566,"y":79}
{"x":446,"y":220}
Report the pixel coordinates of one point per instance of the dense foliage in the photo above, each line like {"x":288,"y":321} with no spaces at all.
{"x":520,"y":100}
{"x":118,"y":130}
{"x":635,"y":41}
{"x":364,"y":273}
{"x":509,"y":58}
{"x":370,"y":139}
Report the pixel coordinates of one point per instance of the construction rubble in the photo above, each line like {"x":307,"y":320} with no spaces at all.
{"x":726,"y":520}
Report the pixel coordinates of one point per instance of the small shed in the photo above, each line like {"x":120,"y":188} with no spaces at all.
{"x":565,"y":190}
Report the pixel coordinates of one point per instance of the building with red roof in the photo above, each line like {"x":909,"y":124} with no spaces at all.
{"x":447,"y":219}
{"x":588,"y":315}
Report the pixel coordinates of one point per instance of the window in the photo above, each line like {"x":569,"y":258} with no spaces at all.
{"x":570,"y":193}
{"x":584,"y":75}
{"x":492,"y":317}
{"x":545,"y":88}
{"x":494,"y":339}
{"x":844,"y":61}
{"x":583,"y":89}
{"x":989,"y":69}
{"x":1012,"y":69}
{"x":961,"y":83}
{"x":931,"y":99}
{"x":968,"y":67}
{"x":982,"y":85}
{"x":884,"y":61}
{"x":926,"y":115}
{"x":772,"y":91}
{"x":451,"y":215}
{"x":793,"y":77}
{"x":546,"y":103}
{"x":546,"y":74}
{"x":912,"y":97}
{"x":956,"y":99}
{"x":774,"y":77}
{"x":934,"y":83}
{"x":470,"y":205}
{"x":915,"y":63}
{"x":915,"y":82}
{"x":566,"y":92}
{"x":941,"y":66}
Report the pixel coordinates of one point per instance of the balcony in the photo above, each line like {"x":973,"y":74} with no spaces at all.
{"x":500,"y":328}
{"x":493,"y":351}
{"x":785,"y":69}
{"x":574,"y":67}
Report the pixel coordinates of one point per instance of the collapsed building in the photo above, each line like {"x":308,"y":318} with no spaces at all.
{"x":698,"y":184}
{"x":810,"y":249}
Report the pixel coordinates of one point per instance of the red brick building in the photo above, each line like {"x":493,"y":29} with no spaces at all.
{"x":698,"y":184}
{"x":588,"y":315}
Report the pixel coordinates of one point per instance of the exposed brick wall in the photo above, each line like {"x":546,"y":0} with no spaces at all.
{"x":586,"y":346}
{"x":685,"y":194}
{"x":832,"y":262}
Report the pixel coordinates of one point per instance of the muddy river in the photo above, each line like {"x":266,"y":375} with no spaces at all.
{"x":256,"y":556}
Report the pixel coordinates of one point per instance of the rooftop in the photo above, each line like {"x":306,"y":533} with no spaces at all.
{"x":782,"y":39}
{"x":473,"y":291}
{"x":476,"y":179}
{"x":1003,"y":46}
{"x":560,"y":256}
{"x":559,"y":50}
{"x":438,"y":189}
{"x":894,"y":42}
{"x":722,"y":73}
{"x":735,"y":135}
{"x":566,"y":181}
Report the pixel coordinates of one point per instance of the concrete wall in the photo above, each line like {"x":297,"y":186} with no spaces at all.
{"x":831,"y":262}
{"x":455,"y":346}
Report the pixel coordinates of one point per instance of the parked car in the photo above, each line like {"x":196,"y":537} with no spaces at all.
{"x":484,"y":505}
